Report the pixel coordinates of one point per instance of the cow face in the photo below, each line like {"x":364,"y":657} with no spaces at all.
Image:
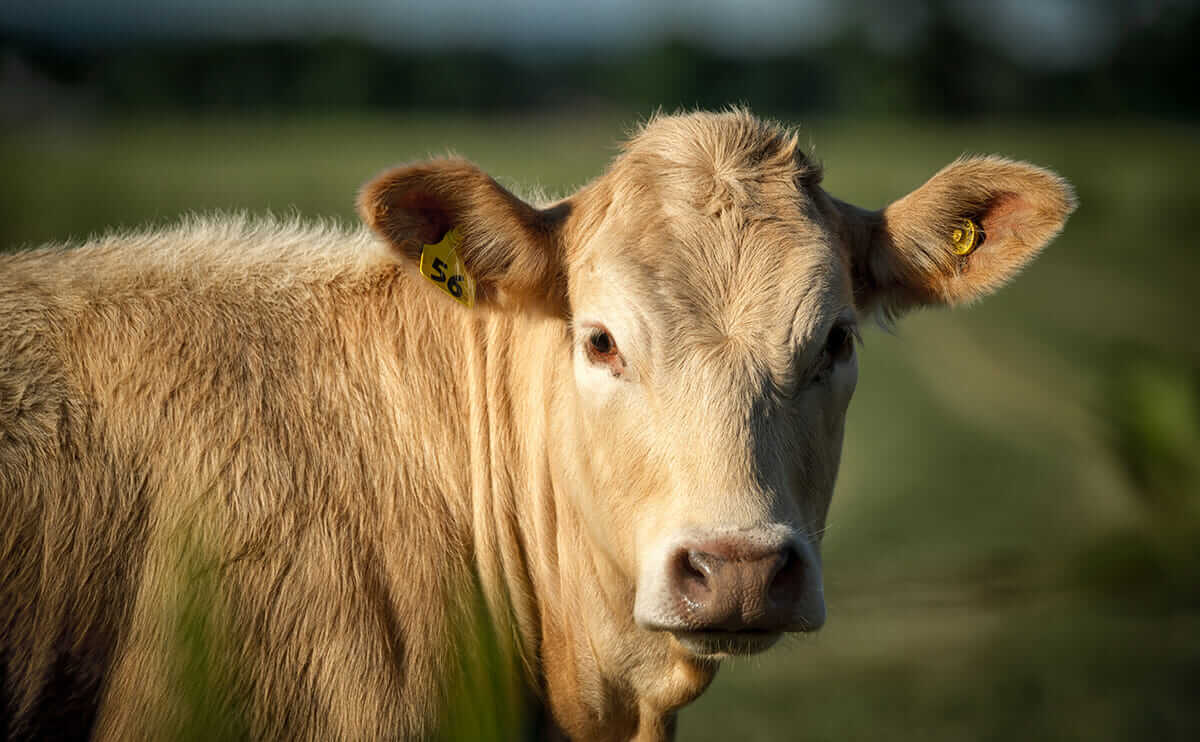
{"x":713,"y":293}
{"x":714,"y":325}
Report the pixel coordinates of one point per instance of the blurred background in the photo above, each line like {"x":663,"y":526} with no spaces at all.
{"x":1014,"y":549}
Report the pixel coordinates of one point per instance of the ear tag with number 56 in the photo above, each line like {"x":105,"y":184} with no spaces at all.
{"x":440,"y":263}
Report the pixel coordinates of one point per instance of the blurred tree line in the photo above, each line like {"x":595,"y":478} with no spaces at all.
{"x":946,"y":68}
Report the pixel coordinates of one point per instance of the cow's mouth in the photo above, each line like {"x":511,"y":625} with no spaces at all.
{"x":717,"y":644}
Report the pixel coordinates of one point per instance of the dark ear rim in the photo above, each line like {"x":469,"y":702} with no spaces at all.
{"x":509,"y":246}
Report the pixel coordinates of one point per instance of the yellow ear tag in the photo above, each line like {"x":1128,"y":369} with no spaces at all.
{"x":965,"y":237}
{"x":440,"y":263}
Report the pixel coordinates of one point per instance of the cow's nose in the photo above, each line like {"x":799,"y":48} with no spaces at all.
{"x":729,"y":586}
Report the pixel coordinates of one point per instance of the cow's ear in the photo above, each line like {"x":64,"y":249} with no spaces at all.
{"x":959,"y":237}
{"x":511,"y":249}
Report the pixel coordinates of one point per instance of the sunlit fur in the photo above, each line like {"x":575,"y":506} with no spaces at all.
{"x":288,"y":412}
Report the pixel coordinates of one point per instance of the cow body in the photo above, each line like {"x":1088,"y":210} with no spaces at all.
{"x":161,"y":411}
{"x":346,"y":451}
{"x":273,"y":457}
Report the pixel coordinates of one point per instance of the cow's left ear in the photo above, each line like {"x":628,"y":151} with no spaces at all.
{"x":960,"y":236}
{"x":510,"y":248}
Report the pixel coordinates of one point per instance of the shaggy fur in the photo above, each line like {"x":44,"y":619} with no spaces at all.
{"x":278,"y":437}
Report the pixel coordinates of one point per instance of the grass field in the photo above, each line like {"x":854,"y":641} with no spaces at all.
{"x":1014,"y":549}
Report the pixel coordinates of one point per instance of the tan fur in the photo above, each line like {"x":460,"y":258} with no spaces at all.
{"x":288,"y":422}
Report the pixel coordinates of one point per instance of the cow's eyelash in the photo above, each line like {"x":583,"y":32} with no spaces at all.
{"x":838,"y":346}
{"x":843,"y":336}
{"x":819,"y":369}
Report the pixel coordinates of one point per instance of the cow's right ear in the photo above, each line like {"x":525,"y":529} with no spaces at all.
{"x":511,"y":248}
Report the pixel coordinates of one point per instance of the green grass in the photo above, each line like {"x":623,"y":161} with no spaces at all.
{"x":995,"y":564}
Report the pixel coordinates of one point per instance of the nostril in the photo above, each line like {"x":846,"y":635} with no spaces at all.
{"x":788,"y":580}
{"x":693,"y":574}
{"x":702,"y":563}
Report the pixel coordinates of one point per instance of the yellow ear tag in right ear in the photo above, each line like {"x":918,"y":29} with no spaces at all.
{"x":440,"y":263}
{"x":965,"y":237}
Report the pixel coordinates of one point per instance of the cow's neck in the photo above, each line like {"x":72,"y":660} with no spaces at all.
{"x":568,"y":608}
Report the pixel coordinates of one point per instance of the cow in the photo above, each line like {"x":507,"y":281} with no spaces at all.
{"x":296,"y":478}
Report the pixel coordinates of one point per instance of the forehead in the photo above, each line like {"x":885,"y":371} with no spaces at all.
{"x":712,"y":222}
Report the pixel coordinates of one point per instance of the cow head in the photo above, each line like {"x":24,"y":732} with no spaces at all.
{"x":712,"y":293}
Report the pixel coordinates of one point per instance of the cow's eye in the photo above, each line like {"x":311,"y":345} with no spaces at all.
{"x":839,"y":346}
{"x":840,"y":343}
{"x":602,"y":350}
{"x":600,"y":344}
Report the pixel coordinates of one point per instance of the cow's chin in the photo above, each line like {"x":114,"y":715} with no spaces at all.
{"x":720,"y":644}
